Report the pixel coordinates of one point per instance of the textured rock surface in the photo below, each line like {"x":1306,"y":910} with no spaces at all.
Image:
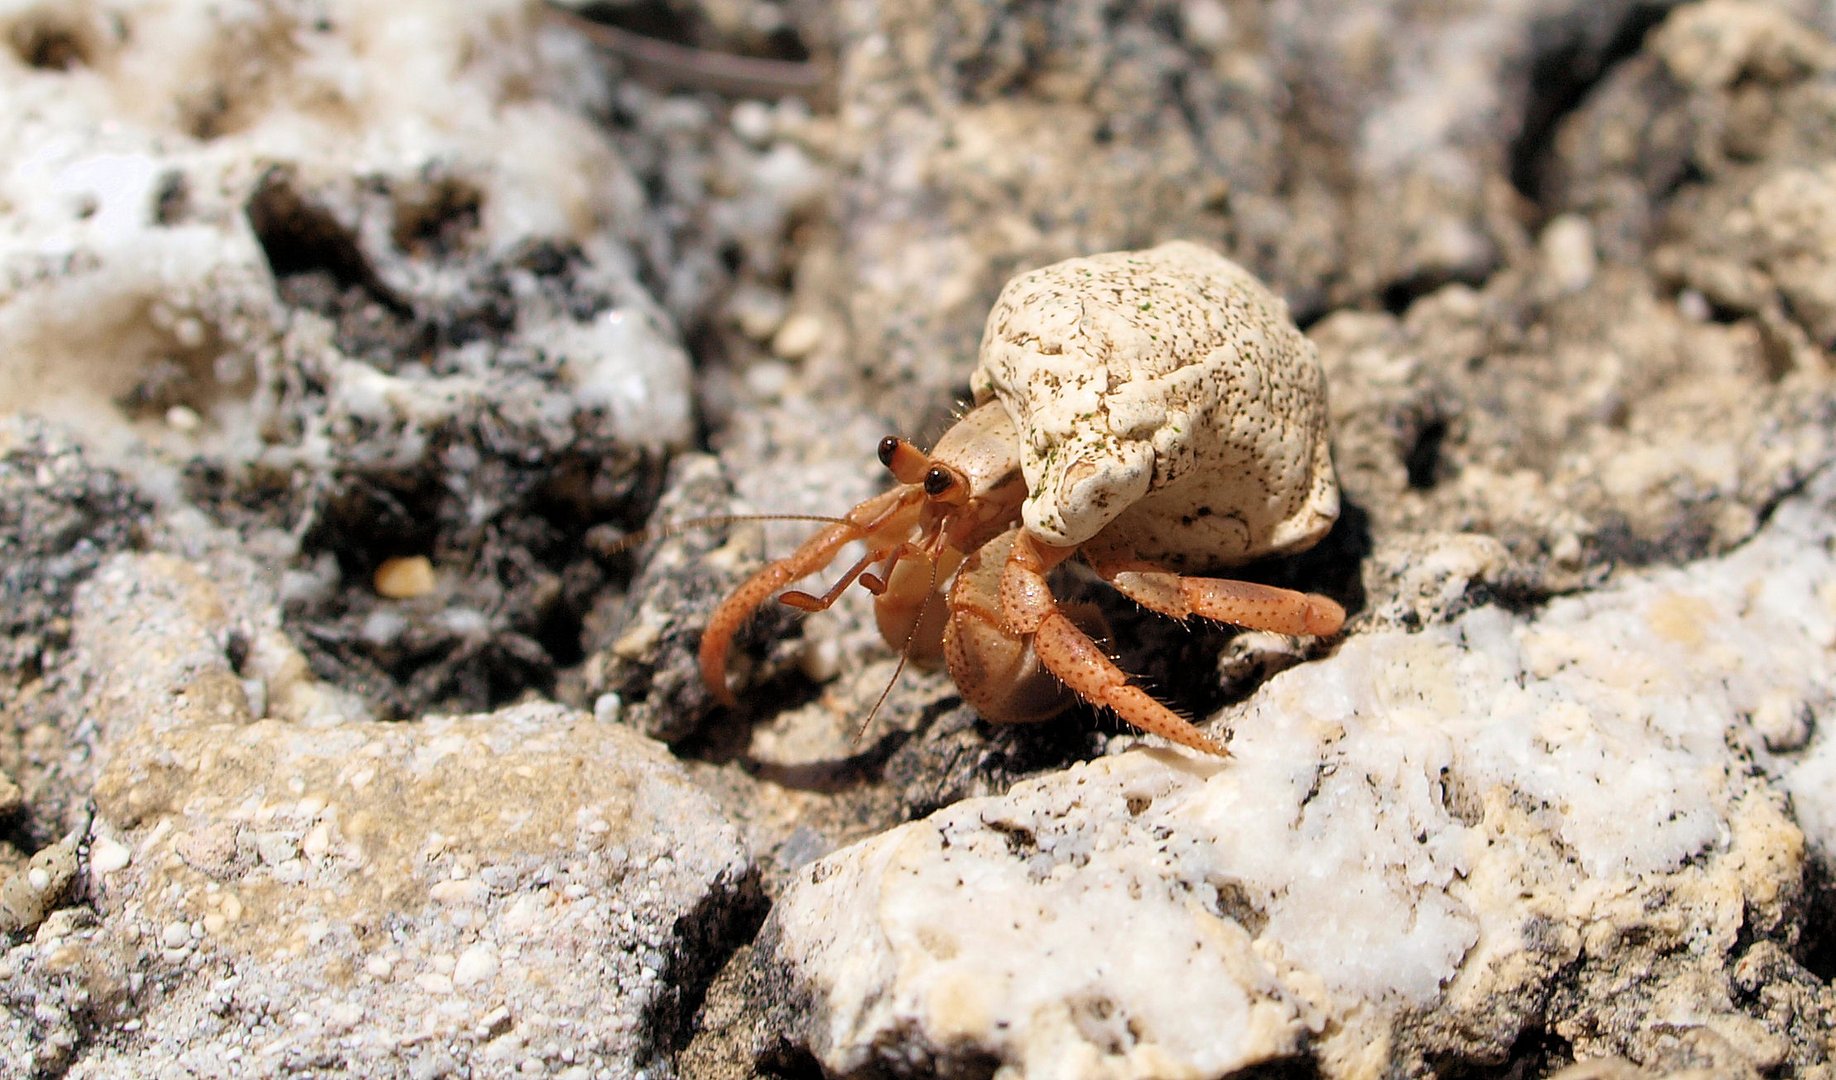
{"x":296,"y":293}
{"x":1426,"y":843}
{"x":1343,"y":156}
{"x":58,"y":517}
{"x":365,"y":281}
{"x":170,"y":165}
{"x":529,"y":888}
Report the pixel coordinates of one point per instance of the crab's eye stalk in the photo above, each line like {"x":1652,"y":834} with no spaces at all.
{"x":944,"y":484}
{"x":907,"y":462}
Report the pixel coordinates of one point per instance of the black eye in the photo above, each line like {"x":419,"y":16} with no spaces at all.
{"x":888,"y":447}
{"x":937,"y":481}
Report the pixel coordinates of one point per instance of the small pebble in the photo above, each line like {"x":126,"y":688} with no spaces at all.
{"x":752,"y":121}
{"x":798,"y":337}
{"x":382,"y":626}
{"x":183,"y":418}
{"x":459,"y":891}
{"x":758,"y":311}
{"x":317,"y":841}
{"x":276,"y":847}
{"x":768,"y":378}
{"x":434,"y":983}
{"x":344,"y":1015}
{"x":405,"y":578}
{"x":1207,"y":22}
{"x":256,"y":691}
{"x":1567,"y":550}
{"x":478,"y":963}
{"x":524,"y":914}
{"x":637,"y":642}
{"x":1568,"y":252}
{"x":1694,"y":306}
{"x":175,"y":935}
{"x":189,"y":331}
{"x":607,"y":707}
{"x":503,"y":1048}
{"x":820,"y":659}
{"x":107,"y":855}
{"x":494,"y":1022}
{"x":1783,"y":722}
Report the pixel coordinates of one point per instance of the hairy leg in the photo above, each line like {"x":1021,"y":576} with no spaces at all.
{"x":1028,"y":608}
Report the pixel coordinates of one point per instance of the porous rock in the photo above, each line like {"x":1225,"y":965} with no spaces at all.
{"x":645,"y":649}
{"x":311,"y":890}
{"x":1343,"y":158}
{"x":370,"y":272}
{"x":59,"y":516}
{"x":1422,"y":848}
{"x":170,"y":166}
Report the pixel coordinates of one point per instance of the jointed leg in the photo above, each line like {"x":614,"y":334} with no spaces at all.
{"x":997,"y":672}
{"x":1239,"y":603}
{"x":1028,"y":608}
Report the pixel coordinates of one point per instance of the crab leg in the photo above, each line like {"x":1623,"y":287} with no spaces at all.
{"x":1239,"y":603}
{"x":894,"y":512}
{"x":997,"y":672}
{"x":1028,"y":608}
{"x":803,"y":601}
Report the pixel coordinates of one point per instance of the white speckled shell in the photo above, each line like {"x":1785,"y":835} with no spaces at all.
{"x":1164,"y":396}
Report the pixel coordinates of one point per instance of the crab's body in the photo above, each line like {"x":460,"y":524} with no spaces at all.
{"x":1156,"y":411}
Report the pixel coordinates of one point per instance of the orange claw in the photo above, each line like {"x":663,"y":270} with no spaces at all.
{"x":883,"y":521}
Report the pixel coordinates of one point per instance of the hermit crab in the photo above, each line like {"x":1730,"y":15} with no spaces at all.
{"x":1154,"y":412}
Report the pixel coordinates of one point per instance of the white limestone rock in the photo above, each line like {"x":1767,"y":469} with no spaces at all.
{"x":1413,"y":837}
{"x":311,"y":891}
{"x":144,"y":146}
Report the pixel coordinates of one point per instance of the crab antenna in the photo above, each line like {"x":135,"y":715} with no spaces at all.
{"x":898,"y":669}
{"x":905,"y":652}
{"x":673,"y":528}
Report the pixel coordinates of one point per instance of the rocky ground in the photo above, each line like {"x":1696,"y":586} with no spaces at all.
{"x":341,"y":345}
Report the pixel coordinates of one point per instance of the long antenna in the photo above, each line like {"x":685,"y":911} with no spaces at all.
{"x":905,"y":648}
{"x":674,"y":528}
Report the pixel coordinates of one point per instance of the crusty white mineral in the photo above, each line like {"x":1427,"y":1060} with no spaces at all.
{"x":1167,"y":396}
{"x":1154,"y":412}
{"x":1417,"y":839}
